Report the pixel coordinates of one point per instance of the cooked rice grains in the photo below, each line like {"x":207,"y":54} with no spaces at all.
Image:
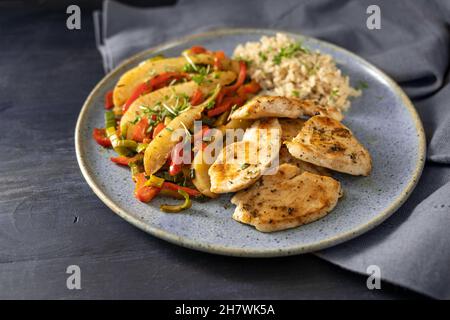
{"x":282,"y":66}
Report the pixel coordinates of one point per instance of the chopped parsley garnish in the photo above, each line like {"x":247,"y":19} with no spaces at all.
{"x":334,"y":93}
{"x":136,"y":120}
{"x":171,"y":108}
{"x":289,"y":52}
{"x":361,"y":85}
{"x":188,"y":68}
{"x":189,"y":60}
{"x":184,"y":96}
{"x":210,"y":104}
{"x":295,"y":93}
{"x":263,"y":56}
{"x":247,"y":61}
{"x":198,"y":78}
{"x":203,"y":71}
{"x":312,"y":69}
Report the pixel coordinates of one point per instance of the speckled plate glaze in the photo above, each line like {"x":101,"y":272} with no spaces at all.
{"x":383,"y":119}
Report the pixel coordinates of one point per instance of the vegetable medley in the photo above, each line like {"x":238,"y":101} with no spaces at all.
{"x":163,"y":95}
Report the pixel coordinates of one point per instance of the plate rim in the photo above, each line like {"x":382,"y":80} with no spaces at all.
{"x":246,"y":252}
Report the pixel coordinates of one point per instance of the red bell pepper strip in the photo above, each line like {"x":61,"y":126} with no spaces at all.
{"x":163,"y":79}
{"x":140,"y":130}
{"x":251,"y":87}
{"x":146,"y":194}
{"x":220,"y":96}
{"x":218,"y":57}
{"x":141,"y":89}
{"x":140,"y":180}
{"x":174,"y":168}
{"x":226,"y":104}
{"x":176,"y":156}
{"x":240,"y":80}
{"x":176,"y":159}
{"x":196,"y":98}
{"x":142,"y":192}
{"x":122,"y":160}
{"x":197,"y":49}
{"x":159,"y":127}
{"x":221,"y":104}
{"x":246,"y":89}
{"x":201,"y":133}
{"x":109,"y":100}
{"x":100,"y":136}
{"x":224,"y":101}
{"x":157,"y":82}
{"x":175,"y":187}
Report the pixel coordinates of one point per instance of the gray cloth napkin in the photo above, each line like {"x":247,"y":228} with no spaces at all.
{"x":412,"y":248}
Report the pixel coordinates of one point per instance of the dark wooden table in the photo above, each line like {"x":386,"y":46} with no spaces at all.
{"x":50,"y":219}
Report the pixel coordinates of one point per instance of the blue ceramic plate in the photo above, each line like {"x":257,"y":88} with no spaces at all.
{"x":383,"y":119}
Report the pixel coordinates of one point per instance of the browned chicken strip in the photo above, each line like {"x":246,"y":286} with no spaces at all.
{"x":242,"y":163}
{"x":283,"y":107}
{"x":328,"y":143}
{"x":289,"y":130}
{"x":286,"y":157}
{"x":288,"y":199}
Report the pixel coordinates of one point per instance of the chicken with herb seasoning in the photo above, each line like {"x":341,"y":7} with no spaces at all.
{"x":328,"y":143}
{"x":288,"y":199}
{"x":242,"y":163}
{"x":283,"y":107}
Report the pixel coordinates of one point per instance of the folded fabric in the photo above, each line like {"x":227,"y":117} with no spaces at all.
{"x":412,"y":247}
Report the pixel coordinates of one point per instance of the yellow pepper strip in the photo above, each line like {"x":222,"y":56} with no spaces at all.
{"x":171,"y":193}
{"x":155,"y":181}
{"x":122,"y":147}
{"x":177,"y":208}
{"x":141,"y":147}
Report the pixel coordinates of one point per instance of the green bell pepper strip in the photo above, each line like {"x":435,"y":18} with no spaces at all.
{"x":123,"y":131}
{"x":155,"y":181}
{"x":110,"y":119}
{"x":122,"y":147}
{"x":177,"y":208}
{"x":171,"y":193}
{"x":141,"y":147}
{"x":134,"y":168}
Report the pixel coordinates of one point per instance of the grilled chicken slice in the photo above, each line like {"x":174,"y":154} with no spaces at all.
{"x":328,"y":143}
{"x":290,"y":128}
{"x":286,"y":157}
{"x":288,"y":199}
{"x":283,"y":107}
{"x":240,"y":164}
